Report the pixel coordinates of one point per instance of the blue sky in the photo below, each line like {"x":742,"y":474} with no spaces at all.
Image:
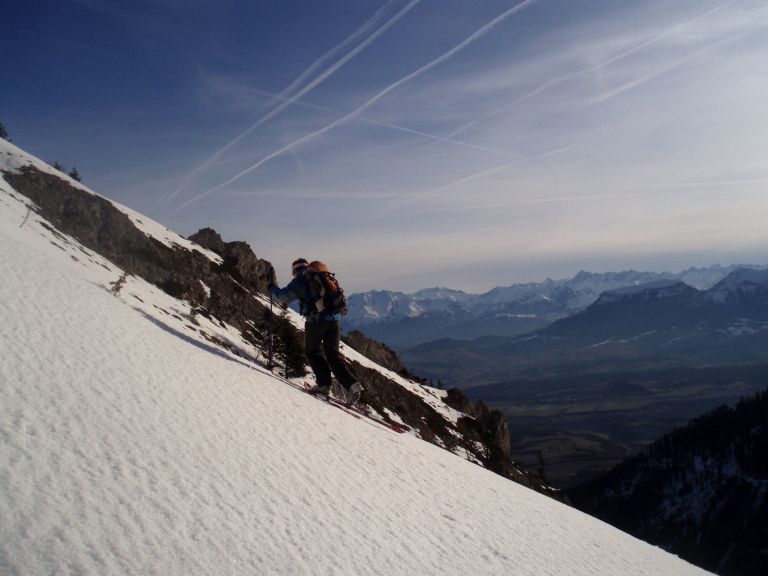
{"x":412,"y":143}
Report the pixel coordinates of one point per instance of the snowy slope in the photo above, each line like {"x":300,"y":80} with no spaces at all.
{"x":179,"y":314}
{"x":129,"y":447}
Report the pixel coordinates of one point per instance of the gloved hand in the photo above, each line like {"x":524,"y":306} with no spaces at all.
{"x":271,"y":276}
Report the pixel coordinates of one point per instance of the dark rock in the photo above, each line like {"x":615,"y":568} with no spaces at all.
{"x":239,"y":260}
{"x":245,"y":267}
{"x":490,"y":428}
{"x":483,"y":426}
{"x":100,"y":226}
{"x":209,"y":239}
{"x":379,"y":352}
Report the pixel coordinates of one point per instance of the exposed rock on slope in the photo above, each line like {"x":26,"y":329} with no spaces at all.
{"x":218,"y":289}
{"x":239,"y":260}
{"x":379,"y":352}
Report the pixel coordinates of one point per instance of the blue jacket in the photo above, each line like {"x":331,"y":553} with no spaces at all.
{"x":298,"y":289}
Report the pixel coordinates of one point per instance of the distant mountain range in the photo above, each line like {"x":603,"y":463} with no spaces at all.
{"x":726,"y":324}
{"x":663,"y":320}
{"x":406,"y":320}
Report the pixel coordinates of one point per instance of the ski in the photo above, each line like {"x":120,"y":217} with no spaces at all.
{"x":357,"y":411}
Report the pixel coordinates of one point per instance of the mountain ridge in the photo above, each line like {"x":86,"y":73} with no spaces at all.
{"x":404,"y":320}
{"x":735,"y":305}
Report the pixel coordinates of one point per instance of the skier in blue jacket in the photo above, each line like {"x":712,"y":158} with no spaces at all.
{"x":322,"y":333}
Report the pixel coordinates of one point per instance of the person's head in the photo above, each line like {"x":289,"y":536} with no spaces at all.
{"x":298,"y":267}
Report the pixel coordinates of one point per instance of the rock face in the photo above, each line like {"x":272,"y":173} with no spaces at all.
{"x":219,"y":290}
{"x":210,"y":239}
{"x":490,"y":428}
{"x":379,"y":352}
{"x":239,"y":260}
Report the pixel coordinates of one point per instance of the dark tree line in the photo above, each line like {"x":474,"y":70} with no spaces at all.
{"x":741,"y":431}
{"x":697,"y":491}
{"x":74,"y":174}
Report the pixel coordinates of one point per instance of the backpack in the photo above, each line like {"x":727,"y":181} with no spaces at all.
{"x":325,"y":290}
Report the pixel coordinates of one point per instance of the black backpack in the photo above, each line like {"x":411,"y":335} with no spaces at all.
{"x":325,"y":290}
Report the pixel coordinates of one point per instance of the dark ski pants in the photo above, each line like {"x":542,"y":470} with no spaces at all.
{"x":322,"y":337}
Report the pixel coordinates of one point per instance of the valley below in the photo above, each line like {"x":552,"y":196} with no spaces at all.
{"x":574,"y":427}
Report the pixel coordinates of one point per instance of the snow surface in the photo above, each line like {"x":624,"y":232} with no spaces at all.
{"x":129,"y":447}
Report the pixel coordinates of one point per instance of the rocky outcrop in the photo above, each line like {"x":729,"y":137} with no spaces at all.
{"x":379,"y":352}
{"x":182,"y":273}
{"x":239,"y":260}
{"x":484,"y":433}
{"x":490,"y":429}
{"x":210,"y":239}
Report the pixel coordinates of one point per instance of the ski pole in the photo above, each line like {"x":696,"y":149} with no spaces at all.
{"x":271,"y":337}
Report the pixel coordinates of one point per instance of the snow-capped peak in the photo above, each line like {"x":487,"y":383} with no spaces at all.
{"x":742,"y":282}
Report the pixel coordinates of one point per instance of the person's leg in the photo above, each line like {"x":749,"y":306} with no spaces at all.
{"x":313,"y":340}
{"x":331,"y":338}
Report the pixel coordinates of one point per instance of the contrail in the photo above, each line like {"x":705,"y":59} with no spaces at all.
{"x":441,"y":139}
{"x":663,"y":70}
{"x":718,"y":183}
{"x":319,"y":79}
{"x":316,"y":64}
{"x":487,"y":171}
{"x":535,"y":92}
{"x":520,"y":202}
{"x":475,"y":176}
{"x":555,"y":81}
{"x":396,"y":127}
{"x":355,"y":113}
